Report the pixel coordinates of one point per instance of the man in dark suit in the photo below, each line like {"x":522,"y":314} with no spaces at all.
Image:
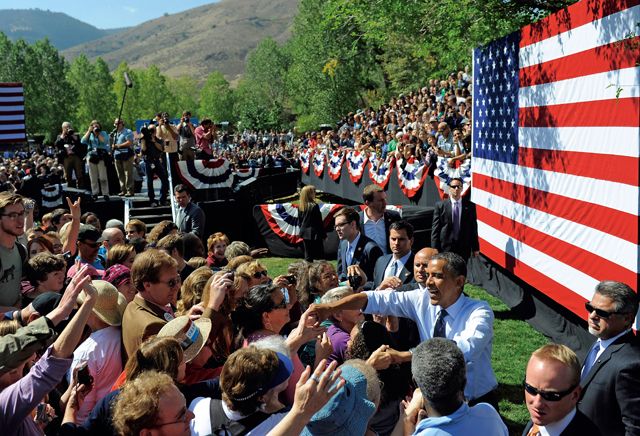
{"x":455,"y":226}
{"x":355,"y":248}
{"x":375,"y":219}
{"x":611,"y":372}
{"x":155,"y":276}
{"x":189,"y":216}
{"x":395,"y":269}
{"x":551,"y":391}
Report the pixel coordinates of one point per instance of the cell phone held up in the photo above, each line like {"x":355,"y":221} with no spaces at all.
{"x":83,"y":376}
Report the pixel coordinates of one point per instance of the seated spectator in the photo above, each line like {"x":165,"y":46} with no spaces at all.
{"x":216,"y":246}
{"x":150,"y":402}
{"x":439,"y":369}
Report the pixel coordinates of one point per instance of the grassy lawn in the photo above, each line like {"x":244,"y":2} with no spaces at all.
{"x":514,"y":341}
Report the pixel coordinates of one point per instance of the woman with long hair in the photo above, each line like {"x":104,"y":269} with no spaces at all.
{"x":311,"y":225}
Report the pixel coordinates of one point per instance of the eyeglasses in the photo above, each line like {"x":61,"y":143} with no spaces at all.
{"x":600,"y":312}
{"x":173,"y":282}
{"x":548,"y":395}
{"x":455,"y":186}
{"x":258,"y":274}
{"x":91,"y":244}
{"x":14,"y":215}
{"x":182,"y":419}
{"x":341,"y":225}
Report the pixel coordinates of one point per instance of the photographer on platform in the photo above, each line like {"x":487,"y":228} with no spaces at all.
{"x":205,"y":134}
{"x":169,"y":136}
{"x":70,"y":153}
{"x":152,"y":149}
{"x":187,"y":137}
{"x":123,"y":154}
{"x":97,"y":142}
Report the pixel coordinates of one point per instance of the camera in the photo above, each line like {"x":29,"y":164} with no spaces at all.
{"x":291,"y":279}
{"x":84,"y":376}
{"x":186,"y":120}
{"x":354,"y":281}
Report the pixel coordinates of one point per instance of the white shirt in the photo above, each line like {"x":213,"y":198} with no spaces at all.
{"x":556,"y":428}
{"x":400,"y":263}
{"x":102,"y":350}
{"x":469,"y":324}
{"x":376,"y":231}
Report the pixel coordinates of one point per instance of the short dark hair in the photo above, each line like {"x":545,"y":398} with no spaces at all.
{"x":40,"y":265}
{"x":206,"y":122}
{"x":455,"y":266}
{"x":624,"y":298}
{"x":171,"y":242}
{"x":402,"y":225}
{"x":180,"y":189}
{"x":439,"y":370}
{"x":350,"y":215}
{"x":369,"y":191}
{"x":57,"y":215}
{"x":455,"y":178}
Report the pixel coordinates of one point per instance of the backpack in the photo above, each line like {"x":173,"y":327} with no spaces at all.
{"x":223,"y":426}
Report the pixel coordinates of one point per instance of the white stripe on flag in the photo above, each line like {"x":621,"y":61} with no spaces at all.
{"x":609,"y":29}
{"x":625,"y":141}
{"x":609,"y":194}
{"x":600,"y":86}
{"x":571,"y":278}
{"x":603,"y":244}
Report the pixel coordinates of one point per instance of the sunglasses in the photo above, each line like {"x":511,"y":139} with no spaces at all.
{"x":600,"y":312}
{"x":173,"y":282}
{"x":258,"y":274}
{"x":91,"y":244}
{"x":548,"y":395}
{"x":455,"y":186}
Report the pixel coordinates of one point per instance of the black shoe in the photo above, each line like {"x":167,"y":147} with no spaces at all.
{"x":94,"y":197}
{"x":164,"y":202}
{"x":153,"y":204}
{"x":106,"y":198}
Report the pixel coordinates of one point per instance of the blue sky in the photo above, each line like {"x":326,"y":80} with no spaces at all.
{"x":108,"y":14}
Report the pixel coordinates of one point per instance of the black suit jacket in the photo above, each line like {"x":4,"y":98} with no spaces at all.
{"x":366,"y":254}
{"x":191,"y":220}
{"x":311,"y":224}
{"x":611,"y":390}
{"x":406,"y":275}
{"x":580,"y":425}
{"x":390,"y":216}
{"x":442,"y":229}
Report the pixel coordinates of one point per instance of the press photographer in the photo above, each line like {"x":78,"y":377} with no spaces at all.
{"x":152,"y":149}
{"x":168,"y":134}
{"x":97,"y":142}
{"x":123,"y":154}
{"x":70,"y":153}
{"x":187,"y":137}
{"x":204,"y":134}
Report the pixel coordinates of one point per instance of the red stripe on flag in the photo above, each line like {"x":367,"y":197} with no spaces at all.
{"x":571,"y":255}
{"x":582,"y":164}
{"x":614,"y":222}
{"x":557,"y":292}
{"x":576,"y":15}
{"x":614,"y":56}
{"x":621,"y":112}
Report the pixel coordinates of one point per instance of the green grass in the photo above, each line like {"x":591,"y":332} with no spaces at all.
{"x":514,"y":341}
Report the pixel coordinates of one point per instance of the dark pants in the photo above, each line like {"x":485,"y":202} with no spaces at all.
{"x":73,"y":164}
{"x":155,"y":166}
{"x":490,"y":397}
{"x":313,"y":249}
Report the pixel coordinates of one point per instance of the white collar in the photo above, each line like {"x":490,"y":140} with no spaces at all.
{"x":367,"y":219}
{"x":604,"y":344}
{"x":556,"y":428}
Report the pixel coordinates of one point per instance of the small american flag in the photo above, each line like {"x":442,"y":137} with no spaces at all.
{"x":555,"y":149}
{"x":12,"y":127}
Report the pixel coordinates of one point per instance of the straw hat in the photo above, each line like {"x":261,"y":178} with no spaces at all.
{"x":110,"y":305}
{"x":192,"y":335}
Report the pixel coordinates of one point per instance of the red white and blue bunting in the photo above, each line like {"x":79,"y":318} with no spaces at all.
{"x":444,"y":173}
{"x":215,"y":173}
{"x":335,"y":165}
{"x":356,"y":164}
{"x":305,"y":159}
{"x":412,"y":176}
{"x":283,"y":219}
{"x":319,"y":159}
{"x":380,"y":170}
{"x":52,"y":196}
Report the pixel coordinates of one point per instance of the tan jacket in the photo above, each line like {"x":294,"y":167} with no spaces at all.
{"x":141,"y":319}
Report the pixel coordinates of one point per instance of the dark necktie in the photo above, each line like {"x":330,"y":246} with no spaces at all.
{"x":456,"y":220}
{"x":439,"y":327}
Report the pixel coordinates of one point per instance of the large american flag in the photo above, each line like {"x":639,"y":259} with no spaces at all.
{"x":555,"y":149}
{"x":12,"y":127}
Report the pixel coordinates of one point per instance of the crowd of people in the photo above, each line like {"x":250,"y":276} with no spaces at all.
{"x":108,"y":329}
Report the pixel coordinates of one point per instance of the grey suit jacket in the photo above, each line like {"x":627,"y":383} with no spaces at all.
{"x":191,"y":220}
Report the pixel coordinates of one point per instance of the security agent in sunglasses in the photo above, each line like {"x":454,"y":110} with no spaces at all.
{"x":610,"y":376}
{"x":551,"y":391}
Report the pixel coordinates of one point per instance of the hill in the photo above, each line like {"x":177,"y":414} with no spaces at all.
{"x":62,"y":30}
{"x":217,"y":36}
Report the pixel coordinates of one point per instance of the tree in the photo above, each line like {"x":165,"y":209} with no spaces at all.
{"x":217,"y":99}
{"x":94,"y":88}
{"x":184,"y":92}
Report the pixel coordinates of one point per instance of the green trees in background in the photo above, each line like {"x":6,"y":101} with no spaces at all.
{"x":343,"y":54}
